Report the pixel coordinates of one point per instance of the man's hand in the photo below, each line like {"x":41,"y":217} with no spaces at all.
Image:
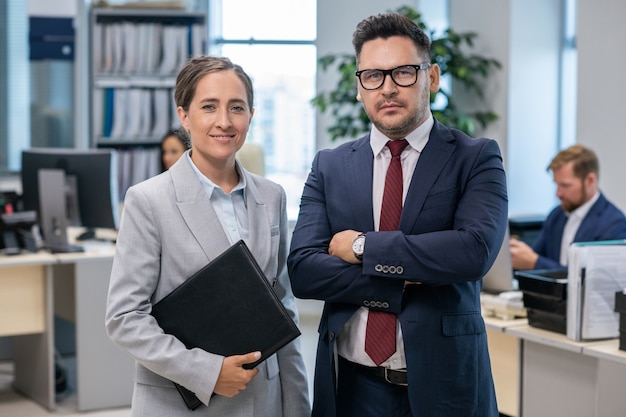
{"x":341,"y":246}
{"x":522,"y":255}
{"x":233,"y":378}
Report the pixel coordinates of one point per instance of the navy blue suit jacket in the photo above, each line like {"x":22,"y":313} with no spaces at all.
{"x":604,"y":221}
{"x":451,"y":229}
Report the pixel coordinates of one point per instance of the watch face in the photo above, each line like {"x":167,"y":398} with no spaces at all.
{"x":358,"y":244}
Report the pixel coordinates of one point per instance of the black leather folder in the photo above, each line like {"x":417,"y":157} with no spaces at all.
{"x":227,"y":308}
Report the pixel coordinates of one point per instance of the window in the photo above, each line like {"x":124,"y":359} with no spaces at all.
{"x":281,"y":60}
{"x":14,"y":84}
{"x":39,"y":86}
{"x":569,"y":76}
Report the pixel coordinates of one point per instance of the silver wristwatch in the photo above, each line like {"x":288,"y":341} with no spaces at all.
{"x":358,"y":245}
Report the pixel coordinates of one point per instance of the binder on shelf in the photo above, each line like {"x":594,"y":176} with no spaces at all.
{"x":596,"y":270}
{"x":161,"y":107}
{"x":134,"y":103}
{"x":135,"y":56}
{"x":145,"y":113}
{"x":227,"y":308}
{"x":197,"y":39}
{"x":133,"y":49}
{"x":117,"y":39}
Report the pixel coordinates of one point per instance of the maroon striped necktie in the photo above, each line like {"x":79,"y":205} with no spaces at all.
{"x":380,"y":334}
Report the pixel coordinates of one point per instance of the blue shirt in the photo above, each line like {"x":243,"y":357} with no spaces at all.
{"x":230,"y":208}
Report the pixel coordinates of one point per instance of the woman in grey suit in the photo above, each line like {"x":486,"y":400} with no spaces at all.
{"x":174,"y":224}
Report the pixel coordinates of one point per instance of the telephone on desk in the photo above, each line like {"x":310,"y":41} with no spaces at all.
{"x":19,"y":231}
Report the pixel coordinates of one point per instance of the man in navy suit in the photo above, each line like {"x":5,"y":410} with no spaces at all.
{"x":428,"y":272}
{"x":585,"y":215}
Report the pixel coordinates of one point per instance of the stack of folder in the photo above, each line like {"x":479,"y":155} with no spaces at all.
{"x":545,"y":298}
{"x":596,"y":270}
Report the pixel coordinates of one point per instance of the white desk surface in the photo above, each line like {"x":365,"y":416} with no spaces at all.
{"x":496,"y":324}
{"x":609,"y":350}
{"x":549,"y":338}
{"x":93,"y":250}
{"x":27,"y":258}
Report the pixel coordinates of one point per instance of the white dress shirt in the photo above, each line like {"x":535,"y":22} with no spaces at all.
{"x":574,"y":219}
{"x":351,"y":340}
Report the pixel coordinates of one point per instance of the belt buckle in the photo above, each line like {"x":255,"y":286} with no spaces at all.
{"x":387,"y":371}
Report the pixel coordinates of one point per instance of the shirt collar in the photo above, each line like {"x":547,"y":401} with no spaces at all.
{"x":209,"y":185}
{"x":417,"y":139}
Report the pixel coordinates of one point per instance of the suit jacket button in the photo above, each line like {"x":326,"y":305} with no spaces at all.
{"x":399,"y":270}
{"x":366,"y":303}
{"x":378,"y":268}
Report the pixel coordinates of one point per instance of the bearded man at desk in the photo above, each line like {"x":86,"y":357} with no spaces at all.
{"x":585,"y":215}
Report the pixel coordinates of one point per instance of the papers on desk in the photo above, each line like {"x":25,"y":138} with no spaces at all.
{"x":505,"y":306}
{"x":596,"y":271}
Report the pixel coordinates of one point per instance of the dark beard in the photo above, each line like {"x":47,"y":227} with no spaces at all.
{"x":570,"y":206}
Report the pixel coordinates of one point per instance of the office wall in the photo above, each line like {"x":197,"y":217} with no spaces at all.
{"x":493,"y":41}
{"x":601,"y":103}
{"x":525,"y":36}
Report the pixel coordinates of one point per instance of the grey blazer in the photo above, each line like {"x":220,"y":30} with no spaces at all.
{"x":168,"y":231}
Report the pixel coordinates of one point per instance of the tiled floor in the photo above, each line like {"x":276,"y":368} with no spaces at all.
{"x":14,"y":405}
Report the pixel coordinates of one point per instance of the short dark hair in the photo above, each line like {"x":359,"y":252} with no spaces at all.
{"x":178,"y":133}
{"x":199,"y":66}
{"x":585,"y":161}
{"x":387,"y":25}
{"x":181,"y":135}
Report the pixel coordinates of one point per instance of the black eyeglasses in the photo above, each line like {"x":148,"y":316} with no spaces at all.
{"x":404,"y":76}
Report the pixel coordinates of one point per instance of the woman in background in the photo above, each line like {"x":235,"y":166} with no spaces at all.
{"x":173,"y":145}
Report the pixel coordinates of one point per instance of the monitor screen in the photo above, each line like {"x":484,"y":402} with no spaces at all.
{"x":91,"y":183}
{"x":500,"y":277}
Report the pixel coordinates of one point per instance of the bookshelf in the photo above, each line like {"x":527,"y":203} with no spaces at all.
{"x":135,"y":55}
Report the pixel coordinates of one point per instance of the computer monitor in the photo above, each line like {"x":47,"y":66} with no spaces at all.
{"x":500,"y":277}
{"x":89,"y":190}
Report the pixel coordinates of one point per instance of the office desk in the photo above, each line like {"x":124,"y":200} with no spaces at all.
{"x":562,"y":377}
{"x":73,"y":286}
{"x":104,"y":373}
{"x":26,"y":313}
{"x":610,"y":378}
{"x":505,"y":354}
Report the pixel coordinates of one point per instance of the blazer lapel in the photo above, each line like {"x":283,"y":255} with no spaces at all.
{"x":359,"y":168}
{"x":429,"y":166}
{"x":258,"y":221}
{"x":197,"y":211}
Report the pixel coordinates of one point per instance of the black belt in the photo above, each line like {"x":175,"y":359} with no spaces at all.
{"x":391,"y":376}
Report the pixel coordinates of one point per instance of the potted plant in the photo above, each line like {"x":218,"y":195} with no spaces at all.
{"x":449,"y":51}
